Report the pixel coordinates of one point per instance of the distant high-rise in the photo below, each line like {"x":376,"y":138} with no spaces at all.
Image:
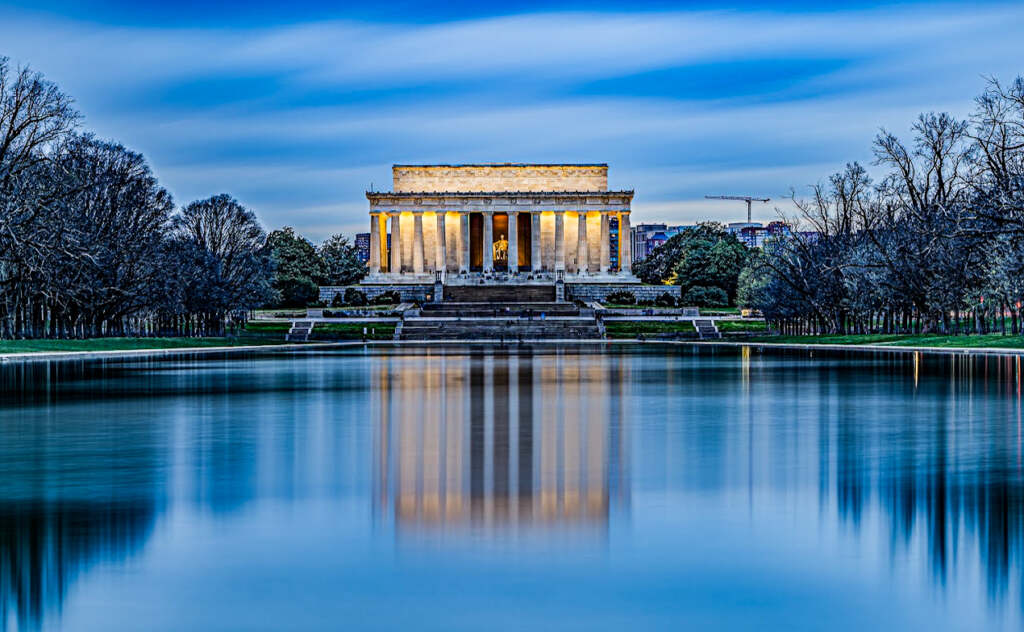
{"x":363,"y":247}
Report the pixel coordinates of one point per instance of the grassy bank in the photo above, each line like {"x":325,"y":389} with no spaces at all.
{"x":727,"y":326}
{"x":126,"y":344}
{"x":353,"y":331}
{"x":268,"y":326}
{"x":632,"y":329}
{"x":992,"y":341}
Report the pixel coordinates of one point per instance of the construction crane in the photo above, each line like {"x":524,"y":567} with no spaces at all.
{"x":746,"y":198}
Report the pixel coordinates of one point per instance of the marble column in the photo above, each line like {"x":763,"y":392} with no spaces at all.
{"x":382,"y":230}
{"x":625,"y":245}
{"x":441,"y":246}
{"x":396,"y":243}
{"x":605,"y":242}
{"x":513,"y":243}
{"x":374,"y":267}
{"x":488,"y":239}
{"x":582,"y":246}
{"x":535,"y":245}
{"x":559,"y":241}
{"x":417,"y":242}
{"x":464,"y":243}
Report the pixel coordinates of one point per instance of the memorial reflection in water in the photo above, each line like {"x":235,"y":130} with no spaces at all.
{"x":480,"y":441}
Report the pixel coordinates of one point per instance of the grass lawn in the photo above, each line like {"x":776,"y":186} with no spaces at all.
{"x":726,"y":326}
{"x":617,"y":329}
{"x":125,"y":344}
{"x":993,"y":341}
{"x":719,"y":311}
{"x":268,"y":326}
{"x":353,"y":331}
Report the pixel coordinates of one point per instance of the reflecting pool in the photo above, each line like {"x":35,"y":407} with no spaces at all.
{"x":652,"y":487}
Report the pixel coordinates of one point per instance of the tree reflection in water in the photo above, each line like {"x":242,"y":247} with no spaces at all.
{"x":43,"y":548}
{"x":464,"y":442}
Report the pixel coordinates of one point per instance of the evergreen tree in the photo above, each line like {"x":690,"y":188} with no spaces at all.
{"x":341,"y":262}
{"x":298,"y":269}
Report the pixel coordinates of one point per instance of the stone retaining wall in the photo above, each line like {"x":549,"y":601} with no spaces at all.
{"x":585,"y":292}
{"x":409,"y":293}
{"x":591,"y":292}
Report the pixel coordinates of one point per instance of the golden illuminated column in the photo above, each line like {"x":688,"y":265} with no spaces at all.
{"x":417,"y":242}
{"x":396,"y":243}
{"x":625,"y":245}
{"x":382,"y":228}
{"x":488,"y":245}
{"x":605,"y":242}
{"x":559,"y":241}
{"x":374,"y":243}
{"x":440,"y":243}
{"x":464,"y":243}
{"x":582,"y":247}
{"x":513,"y":243}
{"x":535,"y":248}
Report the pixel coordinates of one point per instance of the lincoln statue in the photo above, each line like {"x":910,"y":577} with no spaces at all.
{"x":501,"y":252}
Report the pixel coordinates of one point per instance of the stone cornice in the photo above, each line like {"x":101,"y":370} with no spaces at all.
{"x":525,"y":202}
{"x":502,"y":164}
{"x":372,"y":195}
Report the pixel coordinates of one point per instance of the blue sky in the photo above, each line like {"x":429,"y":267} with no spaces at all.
{"x":296,"y":108}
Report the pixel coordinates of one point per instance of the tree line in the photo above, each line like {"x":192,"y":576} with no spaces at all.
{"x":934,"y":245}
{"x":92,"y":245}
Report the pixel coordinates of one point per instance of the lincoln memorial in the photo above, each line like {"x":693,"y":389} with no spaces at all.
{"x":499,"y":224}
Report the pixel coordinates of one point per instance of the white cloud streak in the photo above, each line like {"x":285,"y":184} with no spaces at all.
{"x":302,"y":164}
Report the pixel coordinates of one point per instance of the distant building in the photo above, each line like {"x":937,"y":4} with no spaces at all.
{"x":778,"y":229}
{"x":647,"y":237}
{"x":363,"y":247}
{"x":735,"y":228}
{"x":613,"y":230}
{"x":754,"y":234}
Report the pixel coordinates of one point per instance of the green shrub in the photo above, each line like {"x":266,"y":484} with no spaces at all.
{"x":704,"y":296}
{"x":387,"y":298}
{"x":620,"y":297}
{"x":354,"y":297}
{"x":665,"y":300}
{"x":338,"y":300}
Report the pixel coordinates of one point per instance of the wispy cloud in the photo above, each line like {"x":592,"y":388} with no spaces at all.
{"x":297,"y":119}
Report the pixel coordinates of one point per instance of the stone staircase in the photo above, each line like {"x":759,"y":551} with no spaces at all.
{"x":300,"y":331}
{"x":509,"y":322}
{"x":706,"y":329}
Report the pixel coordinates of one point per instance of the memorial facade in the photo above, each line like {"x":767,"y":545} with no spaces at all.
{"x":498,"y":224}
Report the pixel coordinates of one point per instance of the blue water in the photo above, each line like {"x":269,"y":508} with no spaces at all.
{"x":654,"y":487}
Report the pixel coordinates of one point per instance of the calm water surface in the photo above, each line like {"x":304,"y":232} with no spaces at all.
{"x":654,"y":487}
